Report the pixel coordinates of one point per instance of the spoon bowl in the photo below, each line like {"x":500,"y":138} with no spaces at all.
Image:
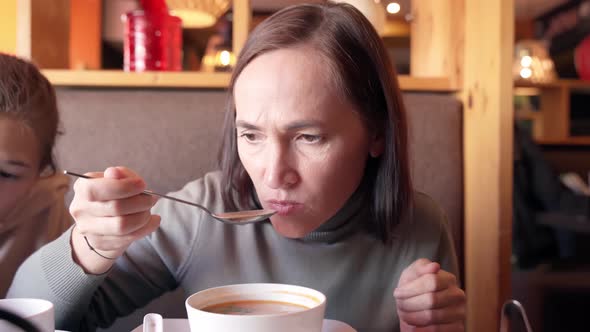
{"x":244,"y":217}
{"x":233,"y":218}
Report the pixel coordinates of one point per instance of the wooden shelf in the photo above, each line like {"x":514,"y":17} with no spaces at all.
{"x":527,"y":115}
{"x":569,"y":84}
{"x":117,"y":78}
{"x":573,"y":140}
{"x":552,"y":123}
{"x":396,"y":28}
{"x":576,"y":277}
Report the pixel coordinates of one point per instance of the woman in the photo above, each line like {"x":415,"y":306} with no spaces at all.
{"x":315,"y":129}
{"x":32,"y":209}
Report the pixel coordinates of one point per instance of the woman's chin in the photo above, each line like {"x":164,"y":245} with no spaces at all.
{"x":289,"y":228}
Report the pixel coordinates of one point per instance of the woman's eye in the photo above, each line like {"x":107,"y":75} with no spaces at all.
{"x":6,"y":175}
{"x":249,"y":137}
{"x":310,"y":138}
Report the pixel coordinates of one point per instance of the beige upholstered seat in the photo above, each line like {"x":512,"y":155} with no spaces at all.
{"x":171,"y":137}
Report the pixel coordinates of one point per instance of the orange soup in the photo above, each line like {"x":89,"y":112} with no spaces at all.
{"x":254,"y":308}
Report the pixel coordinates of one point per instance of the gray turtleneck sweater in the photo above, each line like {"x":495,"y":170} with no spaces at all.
{"x":351,"y":266}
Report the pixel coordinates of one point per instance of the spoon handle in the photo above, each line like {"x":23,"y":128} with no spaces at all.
{"x":148,"y":192}
{"x":153,"y":193}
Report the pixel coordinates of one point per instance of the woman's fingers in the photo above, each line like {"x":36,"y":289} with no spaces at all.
{"x":453,"y":327}
{"x":446,"y":315}
{"x":113,"y":183}
{"x":108,"y":243}
{"x":105,"y":189}
{"x":427,"y":283}
{"x":115,"y":225}
{"x":428,"y":299}
{"x":417,"y":269}
{"x":111,"y":205}
{"x":118,"y":193}
{"x":446,"y":297}
{"x":120,"y":207}
{"x":95,"y":174}
{"x":111,"y":212}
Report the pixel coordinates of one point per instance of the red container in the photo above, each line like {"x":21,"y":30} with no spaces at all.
{"x":175,"y":43}
{"x":582,"y":59}
{"x":152,"y":41}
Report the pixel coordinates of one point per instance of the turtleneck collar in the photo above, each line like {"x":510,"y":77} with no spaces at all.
{"x":345,"y":222}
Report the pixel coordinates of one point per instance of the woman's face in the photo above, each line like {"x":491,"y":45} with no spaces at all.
{"x":19,"y":163}
{"x":303,"y":146}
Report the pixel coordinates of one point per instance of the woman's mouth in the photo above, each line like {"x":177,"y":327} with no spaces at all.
{"x":284,"y":208}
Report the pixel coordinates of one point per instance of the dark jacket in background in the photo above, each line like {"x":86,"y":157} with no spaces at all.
{"x":537,"y":189}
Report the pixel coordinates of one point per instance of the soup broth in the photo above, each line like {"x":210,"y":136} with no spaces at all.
{"x":254,"y":308}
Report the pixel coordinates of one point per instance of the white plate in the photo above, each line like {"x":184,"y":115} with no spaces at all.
{"x":181,"y":325}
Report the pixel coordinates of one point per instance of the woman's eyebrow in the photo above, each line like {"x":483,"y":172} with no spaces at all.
{"x":296,"y":125}
{"x":245,"y":125}
{"x":303,"y":124}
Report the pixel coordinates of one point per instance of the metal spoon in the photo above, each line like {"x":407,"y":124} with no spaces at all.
{"x":233,"y":218}
{"x":506,"y":319}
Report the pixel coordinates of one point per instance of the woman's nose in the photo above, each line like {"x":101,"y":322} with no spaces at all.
{"x":279,"y":172}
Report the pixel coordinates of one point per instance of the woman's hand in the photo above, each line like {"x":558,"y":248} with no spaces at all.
{"x":111,"y":212}
{"x":429,"y":299}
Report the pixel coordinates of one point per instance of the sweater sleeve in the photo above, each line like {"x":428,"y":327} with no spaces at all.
{"x":83,"y":301}
{"x":51,"y":274}
{"x":446,"y":249}
{"x":432,"y":234}
{"x":150,"y":267}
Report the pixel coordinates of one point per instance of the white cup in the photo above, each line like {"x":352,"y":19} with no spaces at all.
{"x":37,"y":311}
{"x":308,"y":319}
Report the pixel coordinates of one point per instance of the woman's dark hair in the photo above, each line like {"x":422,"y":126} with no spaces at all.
{"x":362,"y":70}
{"x":27,"y":97}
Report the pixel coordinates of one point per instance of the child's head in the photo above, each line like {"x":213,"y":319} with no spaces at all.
{"x":28,"y":128}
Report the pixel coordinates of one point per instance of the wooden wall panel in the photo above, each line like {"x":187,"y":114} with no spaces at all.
{"x":242,"y":19}
{"x":437,"y":42}
{"x":36,"y":30}
{"x":85,"y":34}
{"x":488,"y":141}
{"x":8,"y":26}
{"x":554,"y":121}
{"x":50,"y":33}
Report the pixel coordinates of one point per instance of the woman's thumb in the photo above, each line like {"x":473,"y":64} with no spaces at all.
{"x":118,"y":172}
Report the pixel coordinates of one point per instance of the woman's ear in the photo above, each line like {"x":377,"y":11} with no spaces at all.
{"x":377,"y":146}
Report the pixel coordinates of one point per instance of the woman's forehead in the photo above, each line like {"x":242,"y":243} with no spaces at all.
{"x":302,"y":65}
{"x":286,"y":79}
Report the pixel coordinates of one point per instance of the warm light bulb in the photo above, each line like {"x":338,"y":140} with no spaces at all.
{"x":393,"y":8}
{"x":526,"y":73}
{"x":225,"y":58}
{"x":526,"y":61}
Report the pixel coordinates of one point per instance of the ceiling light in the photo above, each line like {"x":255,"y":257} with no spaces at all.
{"x":393,"y":8}
{"x":198,"y":13}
